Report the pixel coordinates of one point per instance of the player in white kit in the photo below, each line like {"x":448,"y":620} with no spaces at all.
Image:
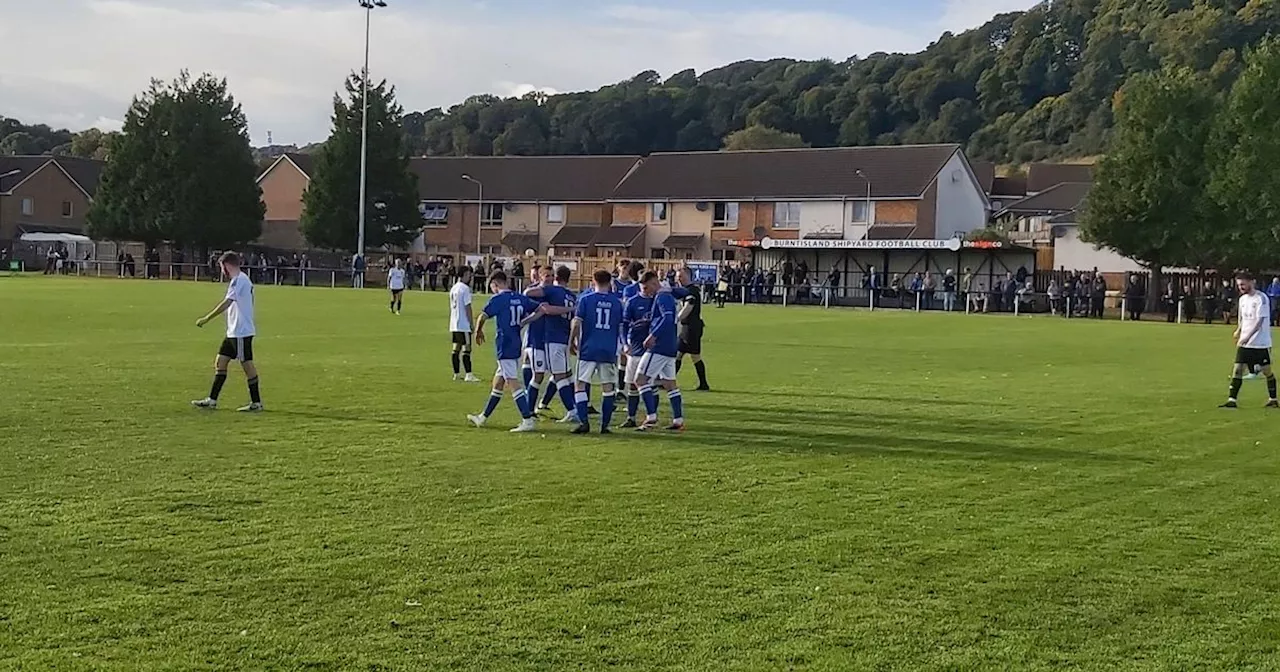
{"x":238,"y":345}
{"x":395,"y":282}
{"x":1253,"y":340}
{"x":461,"y":323}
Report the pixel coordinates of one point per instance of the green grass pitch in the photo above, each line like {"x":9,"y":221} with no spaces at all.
{"x":862,"y":491}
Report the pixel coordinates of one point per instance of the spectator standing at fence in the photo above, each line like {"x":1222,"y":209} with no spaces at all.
{"x":1099,"y":299}
{"x":930,"y":290}
{"x":1011,"y":288}
{"x":949,"y":291}
{"x":1273,"y":297}
{"x":916,"y":288}
{"x":833,"y":282}
{"x":788,"y":275}
{"x":1171,"y":300}
{"x":1228,"y":300}
{"x":1134,"y":297}
{"x":1055,"y":297}
{"x":1209,"y":302}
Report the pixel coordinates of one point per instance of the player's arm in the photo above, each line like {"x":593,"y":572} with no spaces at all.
{"x":575,"y":330}
{"x":479,"y":334}
{"x":686,"y":311}
{"x":663,"y":313}
{"x":217,"y":310}
{"x":535,"y":293}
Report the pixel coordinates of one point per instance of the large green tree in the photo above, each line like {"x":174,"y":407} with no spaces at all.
{"x":1246,"y":162}
{"x":182,"y":170}
{"x":330,"y":218}
{"x":1148,"y":201}
{"x":762,"y":137}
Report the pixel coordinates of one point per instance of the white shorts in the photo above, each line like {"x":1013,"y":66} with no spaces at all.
{"x":509,"y":369}
{"x":633,"y":370}
{"x":604,"y":373}
{"x":537,"y":359}
{"x":657,"y":367}
{"x":558,"y":359}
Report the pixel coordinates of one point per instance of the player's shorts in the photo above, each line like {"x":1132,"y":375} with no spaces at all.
{"x":395,"y":291}
{"x":1253,"y":357}
{"x":239,"y":349}
{"x":632,"y":371}
{"x":509,"y":369}
{"x":691,"y":341}
{"x":558,"y":358}
{"x":657,"y":367}
{"x":462,"y":339}
{"x":537,"y":359}
{"x":604,"y":373}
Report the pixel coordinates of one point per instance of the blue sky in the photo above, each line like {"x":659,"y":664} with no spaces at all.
{"x":285,"y":58}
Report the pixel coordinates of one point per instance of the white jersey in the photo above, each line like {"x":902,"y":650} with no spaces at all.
{"x":1255,"y":317}
{"x":395,"y":279}
{"x":240,"y":313}
{"x":459,"y":299}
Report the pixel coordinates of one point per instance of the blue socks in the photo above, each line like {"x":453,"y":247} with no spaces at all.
{"x":526,"y":374}
{"x":633,"y":404}
{"x":547,"y":396}
{"x":523,"y":403}
{"x":650,"y":401}
{"x":566,"y":395}
{"x":677,"y":406}
{"x":494,"y":397}
{"x":580,"y":404}
{"x":606,"y":409}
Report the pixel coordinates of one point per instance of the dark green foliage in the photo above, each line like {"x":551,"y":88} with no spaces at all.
{"x":330,"y":218}
{"x":181,"y":170}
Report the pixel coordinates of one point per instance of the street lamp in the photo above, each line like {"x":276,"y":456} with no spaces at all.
{"x":369,"y":6}
{"x":479,"y":209}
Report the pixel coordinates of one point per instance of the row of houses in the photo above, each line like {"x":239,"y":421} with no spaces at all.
{"x":695,"y":205}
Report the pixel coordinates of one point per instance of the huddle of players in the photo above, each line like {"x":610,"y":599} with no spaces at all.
{"x":633,"y":319}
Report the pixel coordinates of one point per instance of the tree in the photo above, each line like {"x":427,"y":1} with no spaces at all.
{"x":92,"y":144}
{"x":1246,"y":175}
{"x":182,"y":170}
{"x":331,"y":204}
{"x":20,"y":143}
{"x":762,"y":137}
{"x":1147,"y":200}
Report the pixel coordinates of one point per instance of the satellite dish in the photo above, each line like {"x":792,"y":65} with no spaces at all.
{"x":702,"y":206}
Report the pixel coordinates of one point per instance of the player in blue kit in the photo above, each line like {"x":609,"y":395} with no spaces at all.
{"x":626,"y":289}
{"x":534,"y":355}
{"x":597,"y":328}
{"x":635,"y":329}
{"x":508,"y":310}
{"x":658,"y":365}
{"x":554,"y":318}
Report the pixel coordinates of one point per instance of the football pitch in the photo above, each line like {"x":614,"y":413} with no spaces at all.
{"x":861,"y":491}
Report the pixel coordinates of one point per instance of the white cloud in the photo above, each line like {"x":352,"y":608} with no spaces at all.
{"x":961,"y":15}
{"x":286,"y":58}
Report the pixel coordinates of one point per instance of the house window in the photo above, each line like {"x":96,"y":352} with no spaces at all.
{"x":688,"y":255}
{"x":28,"y":206}
{"x":491,"y":215}
{"x":723,"y":255}
{"x":859,"y":211}
{"x":577,"y":254}
{"x":786,"y":215}
{"x":67,"y":209}
{"x":555,"y":214}
{"x":433,"y":214}
{"x":725,"y":216}
{"x":495,"y":250}
{"x":657,"y":253}
{"x":657,"y":212}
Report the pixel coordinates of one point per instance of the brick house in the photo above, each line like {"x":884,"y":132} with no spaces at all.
{"x":693,"y":204}
{"x":45,"y":194}
{"x":283,"y":185}
{"x":529,"y":203}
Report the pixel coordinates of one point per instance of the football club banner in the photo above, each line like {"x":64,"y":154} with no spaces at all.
{"x":703,"y":273}
{"x":953,"y":244}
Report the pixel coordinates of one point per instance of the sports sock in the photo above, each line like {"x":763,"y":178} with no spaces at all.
{"x":254,"y":394}
{"x":550,"y":394}
{"x":650,"y":401}
{"x":1271,"y":387}
{"x":522,"y":403}
{"x":219,"y":379}
{"x":535,"y":392}
{"x":580,"y":406}
{"x":606,"y":409}
{"x":677,"y":406}
{"x":457,"y":363}
{"x":633,"y":403}
{"x":622,"y":383}
{"x":1235,"y":388}
{"x":527,"y":373}
{"x":701,"y":367}
{"x":466,"y":361}
{"x":492,"y":405}
{"x":566,"y":395}
{"x":393,"y":304}
{"x":587,"y":389}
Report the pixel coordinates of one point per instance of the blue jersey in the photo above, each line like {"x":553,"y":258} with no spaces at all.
{"x":630,"y":291}
{"x":620,"y":286}
{"x":507,"y":309}
{"x":662,"y":325}
{"x":601,"y":316}
{"x":556,"y":327}
{"x":635,"y":323}
{"x":534,"y":333}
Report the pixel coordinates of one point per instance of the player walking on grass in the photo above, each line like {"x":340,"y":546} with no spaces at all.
{"x":507,"y":309}
{"x":594,"y":337}
{"x":238,"y":345}
{"x":461,"y":322}
{"x":395,"y":283}
{"x":1253,"y":340}
{"x":658,"y":365}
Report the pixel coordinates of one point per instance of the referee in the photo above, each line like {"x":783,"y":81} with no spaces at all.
{"x":691,"y":328}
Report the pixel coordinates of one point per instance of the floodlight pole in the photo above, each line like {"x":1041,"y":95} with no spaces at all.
{"x":369,"y":6}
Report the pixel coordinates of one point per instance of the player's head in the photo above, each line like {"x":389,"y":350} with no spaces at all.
{"x":563,"y":275}
{"x":230,"y":262}
{"x":683,"y":276}
{"x":603,"y":280}
{"x":623,"y":266}
{"x":650,"y":284}
{"x":497,"y":281}
{"x":464,"y":275}
{"x":535,"y":273}
{"x":1245,"y":282}
{"x":399,"y":263}
{"x":547,"y":275}
{"x":634,"y":270}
